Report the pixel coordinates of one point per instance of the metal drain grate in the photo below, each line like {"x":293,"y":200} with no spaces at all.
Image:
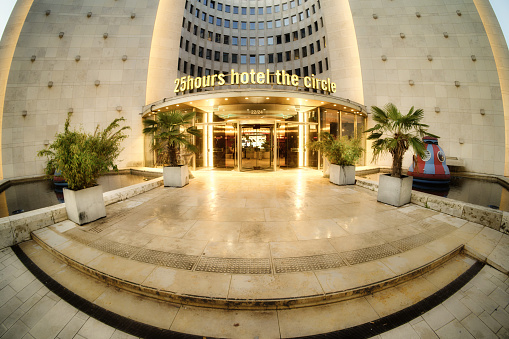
{"x":440,"y":231}
{"x":80,"y":236}
{"x":100,"y":228}
{"x":369,"y":254}
{"x":414,"y":241}
{"x":122,"y":250}
{"x":234,"y":265}
{"x":174,"y":260}
{"x":311,"y":263}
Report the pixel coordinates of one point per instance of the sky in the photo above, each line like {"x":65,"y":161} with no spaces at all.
{"x":501,"y":8}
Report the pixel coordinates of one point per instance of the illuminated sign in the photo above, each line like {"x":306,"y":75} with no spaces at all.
{"x":281,"y":78}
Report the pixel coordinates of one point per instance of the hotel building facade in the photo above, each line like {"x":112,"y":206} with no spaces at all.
{"x":264,"y":77}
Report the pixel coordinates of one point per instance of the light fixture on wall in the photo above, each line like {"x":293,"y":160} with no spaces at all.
{"x":77,"y":58}
{"x":33,"y":58}
{"x":430,"y":57}
{"x":437,"y":109}
{"x":70,"y":110}
{"x":89,"y":14}
{"x":411,"y":82}
{"x":46,"y":142}
{"x":375,"y":16}
{"x":446,"y":35}
{"x":457,"y":83}
{"x":97,"y":83}
{"x":418,"y":14}
{"x":119,"y":108}
{"x":482,"y":111}
{"x":384,"y":57}
{"x":461,"y":141}
{"x":458,"y":12}
{"x":105,"y":35}
{"x":48,"y":12}
{"x":61,"y":35}
{"x":124,"y":57}
{"x":402,"y":35}
{"x":133,"y":15}
{"x":474,"y":58}
{"x":24,"y":113}
{"x":50,"y":84}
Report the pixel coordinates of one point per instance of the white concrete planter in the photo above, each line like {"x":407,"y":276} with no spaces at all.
{"x":342,"y":175}
{"x":176,"y":176}
{"x":395,"y":191}
{"x":85,"y":205}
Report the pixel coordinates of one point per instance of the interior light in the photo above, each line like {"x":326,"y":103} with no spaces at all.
{"x":225,"y":98}
{"x":178,"y":105}
{"x":321,"y":103}
{"x":267,"y":98}
{"x":246,"y":98}
{"x":287,"y":98}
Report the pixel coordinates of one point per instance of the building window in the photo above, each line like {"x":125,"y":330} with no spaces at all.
{"x":252,"y":41}
{"x":292,"y":4}
{"x":200,"y":52}
{"x":252,"y":58}
{"x":278,"y":23}
{"x":211,"y":19}
{"x":310,"y":30}
{"x":279,"y":41}
{"x":226,"y":57}
{"x":276,"y":9}
{"x":202,"y":33}
{"x":287,"y":37}
{"x":235,"y":24}
{"x":227,"y":8}
{"x":286,"y":21}
{"x":261,"y":25}
{"x":306,"y":71}
{"x":295,"y":35}
{"x":218,"y":21}
{"x":285,"y":6}
{"x":313,"y":69}
{"x":212,"y":4}
{"x":243,"y":41}
{"x":181,"y":40}
{"x":244,"y":11}
{"x":297,"y":71}
{"x":314,"y":9}
{"x":200,"y":71}
{"x":280,"y":57}
{"x":252,"y":10}
{"x":270,"y":40}
{"x":226,"y":23}
{"x":185,"y":67}
{"x":207,"y":71}
{"x":261,"y":58}
{"x":209,"y":54}
{"x":219,"y":6}
{"x":316,"y":26}
{"x":234,"y":58}
{"x":195,"y":30}
{"x":311,"y":49}
{"x":235,"y":9}
{"x":226,"y":40}
{"x":301,"y":16}
{"x":269,"y":10}
{"x":218,"y":38}
{"x":320,"y":67}
{"x":197,"y":13}
{"x":191,"y":69}
{"x":261,"y":41}
{"x":269,"y":24}
{"x":304,"y":52}
{"x":302,"y":33}
{"x":178,"y":65}
{"x":252,"y":25}
{"x":235,"y":41}
{"x":243,"y":25}
{"x":210,"y":35}
{"x":296,"y":54}
{"x":260,"y":10}
{"x":288,"y":55}
{"x":327,"y":64}
{"x":204,"y":16}
{"x":294,"y":19}
{"x":271,"y":58}
{"x":308,"y":14}
{"x":324,"y":43}
{"x":193,"y":49}
{"x":187,"y":45}
{"x":243,"y":59}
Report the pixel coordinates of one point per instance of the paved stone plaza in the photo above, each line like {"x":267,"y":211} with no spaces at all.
{"x":272,"y":254}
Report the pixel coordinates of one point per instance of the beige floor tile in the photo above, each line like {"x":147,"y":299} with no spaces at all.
{"x":499,"y":257}
{"x":447,"y":272}
{"x":50,"y":237}
{"x":417,"y":212}
{"x":317,"y":229}
{"x":63,"y":226}
{"x":323,"y":319}
{"x":274,"y":286}
{"x":175,"y":228}
{"x":407,"y":261}
{"x":355,"y":242}
{"x":454,"y":330}
{"x":456,"y":222}
{"x":83,"y":285}
{"x":477,"y":327}
{"x":206,"y":284}
{"x":402,"y":332}
{"x":138,"y":239}
{"x":95,"y":329}
{"x":175,"y":245}
{"x":146,"y":310}
{"x":484,"y":242}
{"x":398,"y":232}
{"x":214,"y":231}
{"x":438,"y":317}
{"x":226,"y":324}
{"x":267,"y":231}
{"x":46,"y":261}
{"x":445,"y":244}
{"x":79,"y":252}
{"x":469,"y":230}
{"x":394,"y":218}
{"x":237,"y":250}
{"x":360,"y":224}
{"x":286,"y":249}
{"x":349,"y":277}
{"x":53,"y":321}
{"x":130,"y":270}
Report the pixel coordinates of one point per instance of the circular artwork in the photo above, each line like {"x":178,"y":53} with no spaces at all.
{"x":441,"y":156}
{"x":427,"y":156}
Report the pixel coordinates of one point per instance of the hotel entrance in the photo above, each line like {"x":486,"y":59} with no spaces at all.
{"x":257,"y":147}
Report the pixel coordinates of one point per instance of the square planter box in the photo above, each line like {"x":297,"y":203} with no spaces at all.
{"x":176,"y":176}
{"x":342,"y":175}
{"x":85,"y":205}
{"x":395,"y":191}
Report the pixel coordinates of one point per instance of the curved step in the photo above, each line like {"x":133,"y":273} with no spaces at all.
{"x":248,"y":291}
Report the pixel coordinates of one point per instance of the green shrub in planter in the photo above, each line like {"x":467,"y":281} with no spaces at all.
{"x":339,"y":151}
{"x":83,"y":157}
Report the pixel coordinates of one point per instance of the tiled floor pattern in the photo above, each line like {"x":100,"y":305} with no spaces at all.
{"x":29,"y":310}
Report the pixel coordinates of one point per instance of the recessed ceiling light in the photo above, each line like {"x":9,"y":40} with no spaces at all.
{"x":334,"y":105}
{"x":267,"y":98}
{"x":191,"y":102}
{"x":321,"y":103}
{"x":246,"y":98}
{"x":287,"y":98}
{"x":178,"y":105}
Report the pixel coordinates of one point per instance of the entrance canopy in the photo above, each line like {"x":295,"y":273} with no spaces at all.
{"x":254,"y":104}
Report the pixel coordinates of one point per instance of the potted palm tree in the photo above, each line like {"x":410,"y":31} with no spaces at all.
{"x":395,"y":133}
{"x":342,"y":153}
{"x":82,"y":158}
{"x":170,"y":135}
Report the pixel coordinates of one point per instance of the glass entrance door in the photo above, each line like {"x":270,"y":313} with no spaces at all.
{"x":257,"y":147}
